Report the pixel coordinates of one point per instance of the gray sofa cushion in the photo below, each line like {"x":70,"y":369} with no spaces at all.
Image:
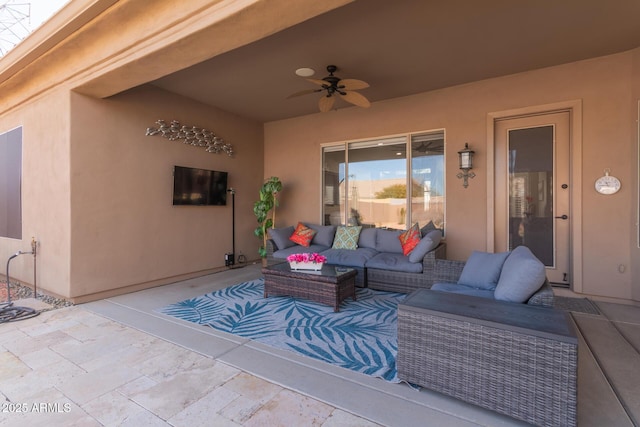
{"x":367,"y":238}
{"x":324,"y":234}
{"x":482,"y":270}
{"x":387,"y":241}
{"x":462,"y":289}
{"x":522,"y":275}
{"x":394,"y":262}
{"x":349,"y":257}
{"x":280,"y":236}
{"x":427,"y":244}
{"x":298,"y":249}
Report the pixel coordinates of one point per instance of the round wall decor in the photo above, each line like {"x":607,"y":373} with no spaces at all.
{"x":607,"y":184}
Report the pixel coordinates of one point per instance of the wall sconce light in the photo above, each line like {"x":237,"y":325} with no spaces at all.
{"x":466,"y":164}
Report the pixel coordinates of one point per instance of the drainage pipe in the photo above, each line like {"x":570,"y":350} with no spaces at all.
{"x":34,"y":246}
{"x":8,"y":262}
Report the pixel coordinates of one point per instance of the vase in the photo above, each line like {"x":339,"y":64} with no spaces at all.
{"x":306,"y":265}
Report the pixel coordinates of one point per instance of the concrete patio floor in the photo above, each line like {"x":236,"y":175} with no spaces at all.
{"x":119,"y":362}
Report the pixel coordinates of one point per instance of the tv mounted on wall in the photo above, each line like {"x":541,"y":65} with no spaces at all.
{"x":199,"y":187}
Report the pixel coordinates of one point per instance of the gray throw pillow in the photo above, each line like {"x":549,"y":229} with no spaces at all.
{"x":522,"y":275}
{"x":482,"y":270}
{"x":426,"y":245}
{"x":280,"y":236}
{"x":324,"y":234}
{"x":430,"y":226}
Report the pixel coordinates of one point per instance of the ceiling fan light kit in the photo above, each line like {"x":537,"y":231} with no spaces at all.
{"x":305,"y":72}
{"x":332,"y":85}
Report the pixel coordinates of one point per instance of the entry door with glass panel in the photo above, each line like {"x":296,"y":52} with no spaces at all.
{"x":533,"y":189}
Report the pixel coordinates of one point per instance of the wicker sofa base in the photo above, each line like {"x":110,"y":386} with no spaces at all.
{"x":528,"y":374}
{"x":397,"y":281}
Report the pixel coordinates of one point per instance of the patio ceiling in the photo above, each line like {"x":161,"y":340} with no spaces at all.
{"x":405,"y":47}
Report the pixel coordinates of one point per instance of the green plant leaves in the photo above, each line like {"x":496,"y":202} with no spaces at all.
{"x":267,"y":201}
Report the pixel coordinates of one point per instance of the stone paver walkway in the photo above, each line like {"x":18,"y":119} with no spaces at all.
{"x":72,"y":367}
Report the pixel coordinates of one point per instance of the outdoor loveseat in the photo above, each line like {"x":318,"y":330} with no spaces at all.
{"x":517,"y":359}
{"x":375,"y":253}
{"x":486,"y":333}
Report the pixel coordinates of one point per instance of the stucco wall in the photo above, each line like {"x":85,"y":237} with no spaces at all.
{"x":634,"y":129}
{"x":93,"y":189}
{"x":125,"y":231}
{"x":45,"y":193}
{"x":602,"y":84}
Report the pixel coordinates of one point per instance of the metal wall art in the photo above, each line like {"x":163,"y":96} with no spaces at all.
{"x":191,"y":135}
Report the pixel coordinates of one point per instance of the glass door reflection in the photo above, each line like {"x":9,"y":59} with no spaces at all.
{"x":531,"y":166}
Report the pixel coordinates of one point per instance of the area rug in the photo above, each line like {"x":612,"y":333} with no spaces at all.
{"x":579,"y":305}
{"x":362,"y":336}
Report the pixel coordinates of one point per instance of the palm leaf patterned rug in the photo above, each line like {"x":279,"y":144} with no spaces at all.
{"x":362,"y":336}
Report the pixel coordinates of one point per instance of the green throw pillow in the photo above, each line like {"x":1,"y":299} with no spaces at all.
{"x":347,"y":237}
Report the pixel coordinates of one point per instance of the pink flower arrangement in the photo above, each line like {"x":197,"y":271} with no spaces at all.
{"x":314,"y":258}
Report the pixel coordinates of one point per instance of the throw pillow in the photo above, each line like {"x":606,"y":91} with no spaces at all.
{"x":410,"y":239}
{"x":482,"y":270}
{"x":280,"y":236}
{"x":302,"y":235}
{"x":522,"y":275}
{"x":347,"y":237}
{"x":324,"y":234}
{"x":430,"y":226}
{"x":426,"y":245}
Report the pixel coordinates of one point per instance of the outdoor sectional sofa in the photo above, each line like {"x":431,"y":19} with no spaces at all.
{"x":378,"y":256}
{"x":380,"y":264}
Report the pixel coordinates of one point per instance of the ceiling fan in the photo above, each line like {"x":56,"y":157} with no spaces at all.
{"x":333,"y":85}
{"x":431,"y":147}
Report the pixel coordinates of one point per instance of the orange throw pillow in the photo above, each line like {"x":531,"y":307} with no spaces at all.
{"x":302,"y":235}
{"x":410,"y":239}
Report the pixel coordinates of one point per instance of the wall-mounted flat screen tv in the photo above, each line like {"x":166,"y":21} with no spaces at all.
{"x":199,"y":187}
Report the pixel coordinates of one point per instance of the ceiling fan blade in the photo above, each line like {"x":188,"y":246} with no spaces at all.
{"x":356,"y":99}
{"x":352,"y":84}
{"x":303,"y":92}
{"x":319,"y":82}
{"x":325,"y":103}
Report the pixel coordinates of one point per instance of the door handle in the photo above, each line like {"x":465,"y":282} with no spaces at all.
{"x":562,"y":217}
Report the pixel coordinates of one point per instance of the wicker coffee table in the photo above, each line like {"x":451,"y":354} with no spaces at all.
{"x":330,"y":286}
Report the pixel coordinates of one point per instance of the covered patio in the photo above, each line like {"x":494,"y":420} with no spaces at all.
{"x":89,"y":163}
{"x":95,"y":188}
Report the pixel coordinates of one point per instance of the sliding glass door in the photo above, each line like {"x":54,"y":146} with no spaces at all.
{"x":379,"y":183}
{"x":427,"y":179}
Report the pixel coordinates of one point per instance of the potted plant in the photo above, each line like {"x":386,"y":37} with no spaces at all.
{"x":261,"y":208}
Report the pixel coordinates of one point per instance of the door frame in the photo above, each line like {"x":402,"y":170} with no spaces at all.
{"x":574,"y":107}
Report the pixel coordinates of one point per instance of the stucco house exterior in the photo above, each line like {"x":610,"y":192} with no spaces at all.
{"x":96,"y":190}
